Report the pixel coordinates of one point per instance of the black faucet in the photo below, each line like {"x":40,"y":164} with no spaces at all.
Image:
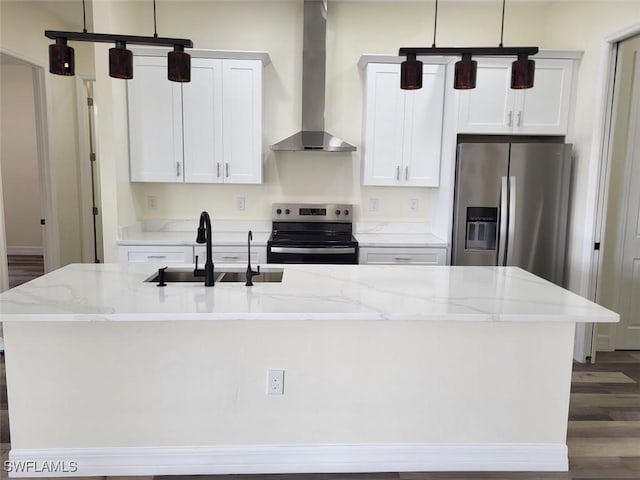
{"x":204,"y":236}
{"x":250,"y":273}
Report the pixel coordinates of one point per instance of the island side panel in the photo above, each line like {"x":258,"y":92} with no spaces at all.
{"x":183,"y":383}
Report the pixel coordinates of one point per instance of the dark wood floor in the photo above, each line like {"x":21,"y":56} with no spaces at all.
{"x":603,"y":437}
{"x":23,"y":268}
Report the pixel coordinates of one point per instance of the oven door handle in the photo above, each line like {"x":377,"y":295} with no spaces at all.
{"x":317,"y":250}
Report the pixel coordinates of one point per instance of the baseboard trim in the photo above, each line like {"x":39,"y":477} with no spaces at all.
{"x":248,"y":459}
{"x":18,"y":250}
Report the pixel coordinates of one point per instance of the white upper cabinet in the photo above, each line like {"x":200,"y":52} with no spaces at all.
{"x":155,"y":123}
{"x":242,"y":120}
{"x":208,"y":130}
{"x":402,"y":129}
{"x":494,"y":107}
{"x":202,"y":120}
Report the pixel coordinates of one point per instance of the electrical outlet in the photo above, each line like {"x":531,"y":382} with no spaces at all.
{"x":374,"y":203}
{"x":152,"y":203}
{"x":413,"y":204}
{"x":240,"y":201}
{"x":275,"y":382}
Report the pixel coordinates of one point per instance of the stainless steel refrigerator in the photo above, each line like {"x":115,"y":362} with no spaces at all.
{"x":511,"y":203}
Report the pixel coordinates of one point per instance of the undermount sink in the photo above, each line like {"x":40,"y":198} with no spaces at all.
{"x":182,"y":275}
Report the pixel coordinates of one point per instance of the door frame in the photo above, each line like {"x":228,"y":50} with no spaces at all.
{"x":84,"y":151}
{"x":598,"y":187}
{"x":43,"y":112}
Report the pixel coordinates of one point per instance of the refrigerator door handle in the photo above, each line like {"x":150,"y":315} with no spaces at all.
{"x":512,"y":215}
{"x":502,"y":226}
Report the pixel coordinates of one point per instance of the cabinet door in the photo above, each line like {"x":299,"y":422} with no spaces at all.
{"x":403,"y":256}
{"x":242,"y":121}
{"x":202,"y":120}
{"x":154,"y":253}
{"x":488,"y":108}
{"x":383,"y":125}
{"x":423,"y":129}
{"x":544,"y":109}
{"x":155,"y":123}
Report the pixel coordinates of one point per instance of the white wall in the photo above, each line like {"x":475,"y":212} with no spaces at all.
{"x":354,"y":28}
{"x":22,"y":26}
{"x":19,"y":156}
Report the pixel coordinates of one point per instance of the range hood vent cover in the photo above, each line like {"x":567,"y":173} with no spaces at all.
{"x":313,"y":136}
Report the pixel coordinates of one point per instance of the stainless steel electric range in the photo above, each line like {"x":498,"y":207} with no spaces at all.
{"x":312,"y":233}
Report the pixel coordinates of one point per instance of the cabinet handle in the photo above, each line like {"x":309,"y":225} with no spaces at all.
{"x":511,"y":119}
{"x":406,"y":173}
{"x":177,"y":169}
{"x":156,"y":256}
{"x":226,"y":170}
{"x":519,"y":118}
{"x":218,"y":170}
{"x":231,"y":257}
{"x":398,"y":173}
{"x":402,"y":259}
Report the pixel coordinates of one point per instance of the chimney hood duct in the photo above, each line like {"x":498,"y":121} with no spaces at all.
{"x":313,"y":137}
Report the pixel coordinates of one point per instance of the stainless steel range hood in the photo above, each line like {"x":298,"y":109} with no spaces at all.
{"x":313,"y":136}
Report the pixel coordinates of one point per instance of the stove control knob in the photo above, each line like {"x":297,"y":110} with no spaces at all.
{"x":346,"y":212}
{"x":337,"y":212}
{"x":279,"y":211}
{"x":287,"y":211}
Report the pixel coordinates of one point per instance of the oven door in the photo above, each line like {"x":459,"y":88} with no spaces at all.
{"x":338,"y":255}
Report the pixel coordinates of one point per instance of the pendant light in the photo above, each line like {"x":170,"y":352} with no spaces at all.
{"x":411,"y":73}
{"x":61,"y":56}
{"x":411,"y":68}
{"x":465,"y":73}
{"x":121,"y":61}
{"x":522,"y":71}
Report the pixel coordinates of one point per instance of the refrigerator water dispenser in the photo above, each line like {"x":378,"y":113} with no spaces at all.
{"x":482,"y":227}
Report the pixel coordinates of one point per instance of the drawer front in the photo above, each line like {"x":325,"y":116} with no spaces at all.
{"x":156,"y":254}
{"x":433,"y":256}
{"x":232,"y":255}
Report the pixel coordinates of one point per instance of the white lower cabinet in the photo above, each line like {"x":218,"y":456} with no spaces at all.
{"x":150,"y":254}
{"x":403,"y":256}
{"x":232,"y":254}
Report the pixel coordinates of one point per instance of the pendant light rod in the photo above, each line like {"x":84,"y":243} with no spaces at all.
{"x":476,"y":51}
{"x":84,"y":17}
{"x":155,"y":26}
{"x":502,"y":27}
{"x":435,"y":25}
{"x":112,"y":38}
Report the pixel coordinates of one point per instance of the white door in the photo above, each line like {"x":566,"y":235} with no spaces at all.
{"x":488,"y":108}
{"x":155,"y":122}
{"x":384,"y":125}
{"x":242,"y":120}
{"x":628,"y":330}
{"x":423,"y":129}
{"x":202,"y":120}
{"x":544,"y":109}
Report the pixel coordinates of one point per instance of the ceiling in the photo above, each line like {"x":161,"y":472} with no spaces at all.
{"x":70,"y":11}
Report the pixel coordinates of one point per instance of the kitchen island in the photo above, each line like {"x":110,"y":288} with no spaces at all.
{"x":394,"y":368}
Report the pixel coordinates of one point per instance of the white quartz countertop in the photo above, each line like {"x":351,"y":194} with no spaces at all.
{"x":117,"y":292}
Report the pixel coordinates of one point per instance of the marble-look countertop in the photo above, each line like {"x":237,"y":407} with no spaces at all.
{"x":183,"y":232}
{"x":117,"y":292}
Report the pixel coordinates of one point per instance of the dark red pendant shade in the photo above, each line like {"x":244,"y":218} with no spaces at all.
{"x":522,"y":72}
{"x":61,"y":58}
{"x":465,"y":73}
{"x":179,"y":65}
{"x":121,"y":62}
{"x":411,"y":73}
